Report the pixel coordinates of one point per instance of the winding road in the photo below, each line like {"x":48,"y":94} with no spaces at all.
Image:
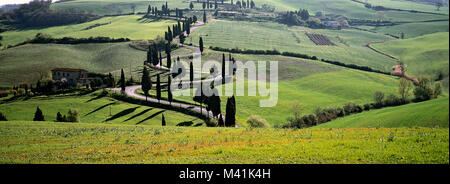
{"x":131,"y":90}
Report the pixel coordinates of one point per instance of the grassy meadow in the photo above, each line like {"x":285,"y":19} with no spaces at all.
{"x":355,"y":10}
{"x":49,"y":142}
{"x":425,"y":55}
{"x":94,"y":108}
{"x":24,"y":63}
{"x":251,"y":35}
{"x":111,"y":7}
{"x":312,"y":84}
{"x":433,"y":113}
{"x":411,"y":30}
{"x":131,"y":26}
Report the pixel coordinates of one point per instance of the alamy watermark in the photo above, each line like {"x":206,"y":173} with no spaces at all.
{"x":237,"y":75}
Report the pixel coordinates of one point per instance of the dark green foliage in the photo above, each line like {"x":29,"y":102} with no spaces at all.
{"x":221,"y":123}
{"x":252,"y":4}
{"x":423,"y":90}
{"x":38,"y":116}
{"x":73,"y":115}
{"x":59,"y":117}
{"x":41,"y":38}
{"x":191,"y":73}
{"x":146,"y":82}
{"x":230,"y":116}
{"x":158,"y":88}
{"x":378,"y":97}
{"x":223,"y":68}
{"x":163,"y":120}
{"x":204,"y":17}
{"x":122,"y":80}
{"x":201,"y":44}
{"x":169,"y":90}
{"x":2,"y":117}
{"x":39,"y":14}
{"x":191,"y":5}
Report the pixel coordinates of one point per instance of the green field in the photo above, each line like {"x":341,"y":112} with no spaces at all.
{"x":94,"y":108}
{"x":132,"y":27}
{"x":111,"y":7}
{"x":253,"y":35}
{"x":313,"y":84}
{"x":24,"y":63}
{"x":411,"y":30}
{"x":424,"y":55}
{"x":48,"y":142}
{"x":433,"y":113}
{"x":354,"y":10}
{"x":408,"y":5}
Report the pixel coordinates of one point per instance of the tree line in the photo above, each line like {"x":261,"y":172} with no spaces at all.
{"x":422,"y":92}
{"x":297,"y":55}
{"x":38,"y":13}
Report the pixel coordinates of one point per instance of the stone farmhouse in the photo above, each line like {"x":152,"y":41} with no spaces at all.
{"x":71,"y":75}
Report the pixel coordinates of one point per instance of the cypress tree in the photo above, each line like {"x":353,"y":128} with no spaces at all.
{"x":201,"y":45}
{"x":223,"y":68}
{"x":160,"y":59}
{"x":191,"y":74}
{"x":169,"y":34}
{"x":158,"y":88}
{"x":230,"y":119}
{"x":146,"y":83}
{"x":204,"y":5}
{"x":169,"y":91}
{"x":163,"y":120}
{"x":204,"y":16}
{"x":2,"y":117}
{"x":179,"y":28}
{"x":38,"y":116}
{"x":169,"y":61}
{"x":122,"y":81}
{"x":221,"y":123}
{"x":182,"y":39}
{"x":59,"y":117}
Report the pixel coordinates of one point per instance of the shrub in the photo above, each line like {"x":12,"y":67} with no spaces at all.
{"x":73,"y":115}
{"x":437,"y":90}
{"x":38,"y":116}
{"x":21,"y":91}
{"x":423,"y":90}
{"x":2,"y":117}
{"x":367,"y":107}
{"x":14,"y":92}
{"x":59,"y":117}
{"x":256,"y":121}
{"x":378,"y":98}
{"x":349,"y":108}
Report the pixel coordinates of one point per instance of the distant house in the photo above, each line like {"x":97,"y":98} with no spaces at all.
{"x":331,"y":23}
{"x":70,"y":75}
{"x":228,"y":13}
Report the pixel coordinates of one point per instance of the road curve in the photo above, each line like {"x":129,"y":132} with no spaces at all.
{"x":131,"y":90}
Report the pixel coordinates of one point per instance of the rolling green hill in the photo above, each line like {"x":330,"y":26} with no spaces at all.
{"x":433,"y":113}
{"x":312,"y":83}
{"x":424,"y":55}
{"x":355,"y":10}
{"x":131,"y":26}
{"x":111,"y":7}
{"x":25,"y":63}
{"x":254,"y":35}
{"x":411,"y":30}
{"x":94,"y":108}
